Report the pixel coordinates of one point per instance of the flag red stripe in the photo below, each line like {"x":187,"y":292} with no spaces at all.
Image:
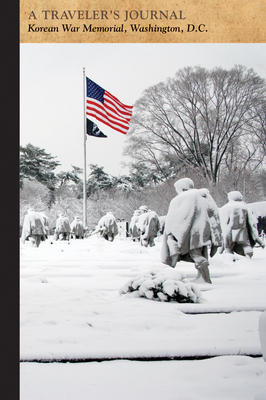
{"x":111,"y":124}
{"x":118,"y":101}
{"x":107,"y":111}
{"x":109,"y":105}
{"x":127,"y":109}
{"x":96,"y":115}
{"x":111,"y":112}
{"x":95,"y":111}
{"x":101,"y":117}
{"x":97,"y":106}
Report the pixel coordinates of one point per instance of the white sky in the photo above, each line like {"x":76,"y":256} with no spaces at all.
{"x":51,"y":89}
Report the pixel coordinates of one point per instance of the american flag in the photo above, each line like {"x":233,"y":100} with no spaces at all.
{"x":107,"y":108}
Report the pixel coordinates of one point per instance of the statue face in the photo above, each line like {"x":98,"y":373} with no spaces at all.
{"x":181,"y":190}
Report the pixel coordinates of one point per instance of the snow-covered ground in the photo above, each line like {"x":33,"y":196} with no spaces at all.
{"x":71,"y":310}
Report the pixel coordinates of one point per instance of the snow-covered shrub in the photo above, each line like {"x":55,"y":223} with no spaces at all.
{"x":163,"y":286}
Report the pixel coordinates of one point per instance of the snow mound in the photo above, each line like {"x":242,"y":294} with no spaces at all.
{"x":164,"y":286}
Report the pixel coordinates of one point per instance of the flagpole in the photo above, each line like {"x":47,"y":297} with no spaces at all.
{"x":85,"y":162}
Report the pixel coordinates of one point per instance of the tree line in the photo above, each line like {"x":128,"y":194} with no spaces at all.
{"x":43,"y":189}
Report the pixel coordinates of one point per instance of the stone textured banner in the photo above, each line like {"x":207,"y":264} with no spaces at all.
{"x":145,"y":21}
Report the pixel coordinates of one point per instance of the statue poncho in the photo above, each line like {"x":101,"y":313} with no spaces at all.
{"x":33,"y":225}
{"x":62,"y":225}
{"x":108,"y":226}
{"x":239,"y":226}
{"x":148,"y":225}
{"x":188,"y":222}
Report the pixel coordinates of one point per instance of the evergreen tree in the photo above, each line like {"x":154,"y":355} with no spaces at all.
{"x":69,"y":176}
{"x":35,"y":163}
{"x":141,"y":175}
{"x":98,"y":179}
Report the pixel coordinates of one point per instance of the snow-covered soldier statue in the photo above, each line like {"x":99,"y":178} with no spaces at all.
{"x":239,"y":226}
{"x":45,"y":223}
{"x":62,"y":229}
{"x":33,"y":228}
{"x":77,"y":228}
{"x":107,"y":226}
{"x":188,"y":229}
{"x":214,"y":220}
{"x":148,"y":226}
{"x":133,"y":230}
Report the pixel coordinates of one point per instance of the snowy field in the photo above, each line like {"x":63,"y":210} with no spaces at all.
{"x":71,"y":310}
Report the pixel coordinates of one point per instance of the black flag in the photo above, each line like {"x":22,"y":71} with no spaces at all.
{"x":93,"y":130}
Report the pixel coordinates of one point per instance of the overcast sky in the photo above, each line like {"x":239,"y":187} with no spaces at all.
{"x":51,"y":89}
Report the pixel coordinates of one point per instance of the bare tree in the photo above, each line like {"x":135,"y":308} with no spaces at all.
{"x":195,"y":118}
{"x":259,"y":127}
